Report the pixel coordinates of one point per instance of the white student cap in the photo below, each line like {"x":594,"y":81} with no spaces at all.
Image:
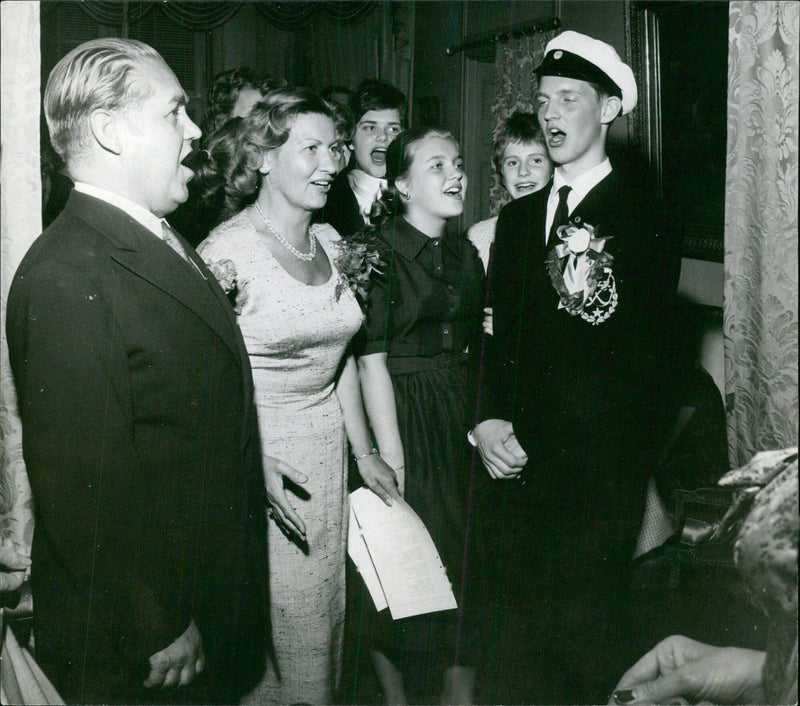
{"x":574,"y":55}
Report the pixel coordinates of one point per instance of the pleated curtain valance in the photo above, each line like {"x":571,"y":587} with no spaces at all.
{"x":202,"y":16}
{"x":112,"y":12}
{"x":296,"y":15}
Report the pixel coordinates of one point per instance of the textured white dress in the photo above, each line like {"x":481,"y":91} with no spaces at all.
{"x":481,"y":235}
{"x":296,"y":336}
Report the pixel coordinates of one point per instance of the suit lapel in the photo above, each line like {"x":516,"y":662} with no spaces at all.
{"x":158,"y":264}
{"x":244,"y":359}
{"x":148,"y":257}
{"x":537,"y":217}
{"x":595,"y":203}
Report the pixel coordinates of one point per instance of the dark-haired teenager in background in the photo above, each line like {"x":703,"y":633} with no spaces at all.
{"x":378,"y":111}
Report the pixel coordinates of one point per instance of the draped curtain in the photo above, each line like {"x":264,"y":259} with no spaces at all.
{"x":340,"y":52}
{"x":205,"y":16}
{"x":20,"y":224}
{"x":296,"y":15}
{"x":760,"y":309}
{"x":515,"y":62}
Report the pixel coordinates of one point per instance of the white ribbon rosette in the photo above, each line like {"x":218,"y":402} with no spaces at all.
{"x":581,"y":273}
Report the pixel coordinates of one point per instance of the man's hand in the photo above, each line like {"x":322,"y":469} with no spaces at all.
{"x":13,"y":566}
{"x":500,"y":451}
{"x":179,"y":663}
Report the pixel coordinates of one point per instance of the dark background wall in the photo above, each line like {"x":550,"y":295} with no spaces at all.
{"x":405,"y":42}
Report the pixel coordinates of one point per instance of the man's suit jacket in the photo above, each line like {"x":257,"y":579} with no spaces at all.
{"x":342,"y":210}
{"x":581,"y":397}
{"x":140,"y":440}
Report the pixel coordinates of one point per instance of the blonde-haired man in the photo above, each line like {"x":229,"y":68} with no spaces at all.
{"x":135,"y":395}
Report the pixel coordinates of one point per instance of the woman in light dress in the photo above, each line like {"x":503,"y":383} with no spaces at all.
{"x":298,"y":316}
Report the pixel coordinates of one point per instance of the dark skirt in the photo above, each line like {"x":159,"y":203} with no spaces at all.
{"x":432,"y":410}
{"x":432,"y":418}
{"x":432,"y":414}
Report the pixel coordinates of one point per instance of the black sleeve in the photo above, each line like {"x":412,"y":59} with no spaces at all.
{"x":71,"y":372}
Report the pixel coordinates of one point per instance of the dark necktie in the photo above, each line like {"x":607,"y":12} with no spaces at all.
{"x":560,"y":217}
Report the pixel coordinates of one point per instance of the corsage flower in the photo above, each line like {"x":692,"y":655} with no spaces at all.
{"x":224,"y":272}
{"x":358,"y":258}
{"x":582,"y":273}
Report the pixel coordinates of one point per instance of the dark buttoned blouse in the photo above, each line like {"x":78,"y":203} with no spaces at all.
{"x":428,"y":299}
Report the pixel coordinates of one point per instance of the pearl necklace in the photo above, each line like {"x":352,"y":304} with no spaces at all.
{"x":304,"y":256}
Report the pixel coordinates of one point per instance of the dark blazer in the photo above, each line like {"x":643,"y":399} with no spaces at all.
{"x":582,"y":400}
{"x":341,"y":209}
{"x":579,"y":374}
{"x":140,"y":441}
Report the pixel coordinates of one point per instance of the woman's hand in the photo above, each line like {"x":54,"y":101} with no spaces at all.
{"x":680,"y":668}
{"x":13,"y":566}
{"x":379,"y":477}
{"x":283,"y":513}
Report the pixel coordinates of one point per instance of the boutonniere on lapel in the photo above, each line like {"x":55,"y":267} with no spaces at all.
{"x":582,"y":273}
{"x":358,"y":258}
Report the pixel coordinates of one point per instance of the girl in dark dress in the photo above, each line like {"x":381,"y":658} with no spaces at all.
{"x":423,"y":313}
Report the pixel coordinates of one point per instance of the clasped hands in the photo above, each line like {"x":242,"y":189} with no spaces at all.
{"x":500,"y":451}
{"x":377,"y":475}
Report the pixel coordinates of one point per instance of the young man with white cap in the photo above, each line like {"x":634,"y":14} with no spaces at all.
{"x":571,"y":382}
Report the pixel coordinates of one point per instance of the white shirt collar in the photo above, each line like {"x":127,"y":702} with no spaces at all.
{"x":580,"y":186}
{"x":366,"y":188}
{"x":134,"y":210}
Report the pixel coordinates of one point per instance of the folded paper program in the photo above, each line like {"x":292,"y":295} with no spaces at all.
{"x":396,"y":557}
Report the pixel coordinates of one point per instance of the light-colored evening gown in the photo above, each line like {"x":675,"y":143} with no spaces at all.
{"x":296,"y":336}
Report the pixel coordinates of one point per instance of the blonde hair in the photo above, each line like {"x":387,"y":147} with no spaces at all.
{"x":100,"y":74}
{"x":235,"y":152}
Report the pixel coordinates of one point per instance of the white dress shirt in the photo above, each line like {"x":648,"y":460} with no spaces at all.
{"x":580,"y":186}
{"x":367,"y":190}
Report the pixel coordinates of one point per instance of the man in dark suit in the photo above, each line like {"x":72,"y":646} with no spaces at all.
{"x":570,"y":387}
{"x":135,"y":394}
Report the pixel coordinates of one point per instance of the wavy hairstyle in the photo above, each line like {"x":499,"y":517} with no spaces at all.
{"x":99,"y":74}
{"x":225,"y":89}
{"x":399,"y":159}
{"x":231,"y":161}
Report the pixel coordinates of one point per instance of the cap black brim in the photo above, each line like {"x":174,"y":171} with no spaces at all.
{"x":571,"y":65}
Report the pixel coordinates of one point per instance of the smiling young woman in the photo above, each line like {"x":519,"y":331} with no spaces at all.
{"x":423,"y":312}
